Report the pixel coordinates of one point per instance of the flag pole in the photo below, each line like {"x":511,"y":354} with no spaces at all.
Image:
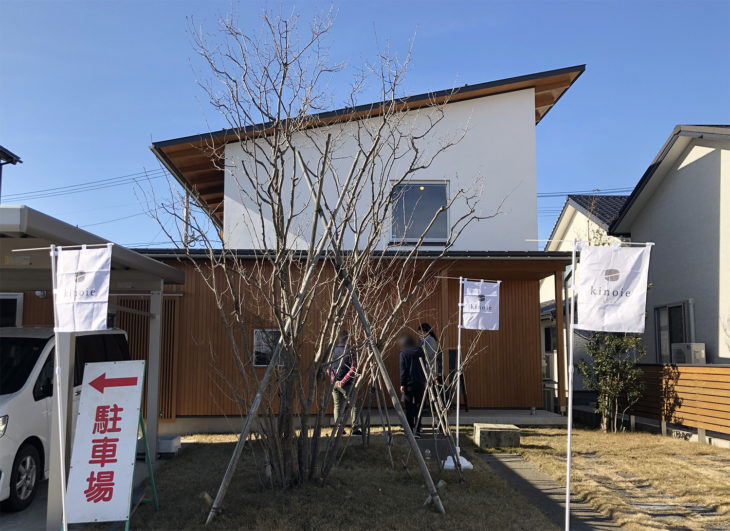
{"x":57,"y":394}
{"x":570,"y":388}
{"x":458,"y":367}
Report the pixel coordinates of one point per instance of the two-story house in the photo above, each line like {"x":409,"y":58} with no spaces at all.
{"x":496,"y":123}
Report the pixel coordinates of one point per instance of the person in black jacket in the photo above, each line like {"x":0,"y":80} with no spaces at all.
{"x":412,"y":379}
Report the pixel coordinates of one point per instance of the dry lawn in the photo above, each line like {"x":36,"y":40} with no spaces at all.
{"x":614,"y":471}
{"x":362,"y":493}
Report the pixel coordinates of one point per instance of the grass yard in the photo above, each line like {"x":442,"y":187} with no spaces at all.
{"x":362,"y":493}
{"x":641,"y":480}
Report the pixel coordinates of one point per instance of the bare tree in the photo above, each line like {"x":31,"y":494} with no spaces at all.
{"x":316,"y":196}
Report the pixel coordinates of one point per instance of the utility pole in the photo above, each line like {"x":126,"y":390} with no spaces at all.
{"x":6,"y":157}
{"x":186,"y":224}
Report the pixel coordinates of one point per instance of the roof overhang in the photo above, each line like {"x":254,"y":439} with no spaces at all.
{"x":24,"y":228}
{"x":8,"y":157}
{"x":668,"y":156}
{"x":194,"y":161}
{"x":493,"y":265}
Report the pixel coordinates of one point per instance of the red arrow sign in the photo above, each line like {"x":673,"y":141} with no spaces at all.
{"x":102,"y":381}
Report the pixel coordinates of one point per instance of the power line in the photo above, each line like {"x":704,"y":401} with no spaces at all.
{"x":113,"y":220}
{"x":88,"y":186}
{"x":607,"y":191}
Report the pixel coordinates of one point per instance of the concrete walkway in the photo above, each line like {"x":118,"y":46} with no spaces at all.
{"x":545,"y":493}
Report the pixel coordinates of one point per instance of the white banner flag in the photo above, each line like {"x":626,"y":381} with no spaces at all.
{"x":480,"y":310}
{"x":611,"y":288}
{"x":82,"y":289}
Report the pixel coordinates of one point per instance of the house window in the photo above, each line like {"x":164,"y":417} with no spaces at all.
{"x":551,"y":340}
{"x":264,"y":344}
{"x":671,"y":327}
{"x":11,"y":309}
{"x":415,"y":204}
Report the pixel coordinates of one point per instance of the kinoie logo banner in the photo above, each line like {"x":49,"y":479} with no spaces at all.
{"x":480,"y":309}
{"x":82,"y":289}
{"x":611,"y":288}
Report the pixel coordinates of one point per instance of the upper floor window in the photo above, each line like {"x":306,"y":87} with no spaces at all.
{"x":415,"y":204}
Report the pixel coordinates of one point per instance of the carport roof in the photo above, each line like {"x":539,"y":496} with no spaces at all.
{"x":22,"y":227}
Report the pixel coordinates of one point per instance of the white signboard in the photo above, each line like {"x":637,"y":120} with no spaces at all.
{"x":480,"y":310}
{"x":105,"y":443}
{"x":611,"y":288}
{"x":82,"y":289}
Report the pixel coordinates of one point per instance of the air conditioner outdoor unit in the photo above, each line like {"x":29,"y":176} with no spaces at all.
{"x":688,"y":353}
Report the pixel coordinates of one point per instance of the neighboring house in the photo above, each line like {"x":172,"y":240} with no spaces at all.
{"x":585,"y":218}
{"x":682,"y":204}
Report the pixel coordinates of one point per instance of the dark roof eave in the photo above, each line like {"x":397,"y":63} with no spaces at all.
{"x":691,"y":131}
{"x":449,"y":255}
{"x":8,"y":157}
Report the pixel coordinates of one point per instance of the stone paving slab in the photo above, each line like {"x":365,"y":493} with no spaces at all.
{"x":545,"y":493}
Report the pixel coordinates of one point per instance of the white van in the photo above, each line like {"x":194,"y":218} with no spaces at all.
{"x":26,"y":388}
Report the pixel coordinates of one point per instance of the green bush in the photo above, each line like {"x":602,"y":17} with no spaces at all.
{"x":612,"y":373}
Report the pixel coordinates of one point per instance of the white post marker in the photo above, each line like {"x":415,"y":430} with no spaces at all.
{"x":105,"y":443}
{"x":59,"y":444}
{"x":613,"y":284}
{"x":478,"y":310}
{"x":571,"y":315}
{"x":80,"y":279}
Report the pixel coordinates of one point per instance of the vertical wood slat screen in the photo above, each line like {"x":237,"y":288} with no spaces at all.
{"x":138,"y":330}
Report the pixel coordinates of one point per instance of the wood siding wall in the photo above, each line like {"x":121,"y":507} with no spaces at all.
{"x":197,"y":359}
{"x":693,"y":396}
{"x":506,"y":374}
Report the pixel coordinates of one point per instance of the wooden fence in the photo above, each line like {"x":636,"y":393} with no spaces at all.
{"x":696,"y":396}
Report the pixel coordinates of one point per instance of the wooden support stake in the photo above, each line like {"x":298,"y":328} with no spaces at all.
{"x":396,"y":402}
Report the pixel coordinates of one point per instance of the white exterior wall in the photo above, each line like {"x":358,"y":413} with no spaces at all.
{"x":723,"y":346}
{"x":683,"y":218}
{"x":495,"y":157}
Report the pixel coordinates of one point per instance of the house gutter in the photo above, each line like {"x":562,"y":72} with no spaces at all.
{"x":462,"y":256}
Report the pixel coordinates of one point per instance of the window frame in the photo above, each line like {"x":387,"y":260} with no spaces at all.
{"x":686,"y":328}
{"x":403,"y":241}
{"x":18,"y":306}
{"x":253,"y":349}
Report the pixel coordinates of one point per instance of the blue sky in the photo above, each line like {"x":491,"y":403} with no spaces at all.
{"x":86,"y":86}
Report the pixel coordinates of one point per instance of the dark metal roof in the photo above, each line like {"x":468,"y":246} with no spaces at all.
{"x":8,"y":157}
{"x":449,"y":255}
{"x":604,"y":208}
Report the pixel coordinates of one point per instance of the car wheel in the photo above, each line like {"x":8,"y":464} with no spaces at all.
{"x":23,"y":479}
